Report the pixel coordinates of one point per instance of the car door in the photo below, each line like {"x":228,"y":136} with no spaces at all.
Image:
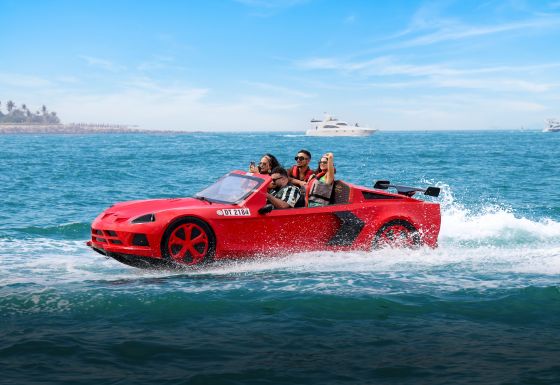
{"x":300,"y":229}
{"x":281,"y":230}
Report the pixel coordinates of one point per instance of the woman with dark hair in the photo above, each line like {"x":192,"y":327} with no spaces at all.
{"x":319,"y":188}
{"x":266,"y":165}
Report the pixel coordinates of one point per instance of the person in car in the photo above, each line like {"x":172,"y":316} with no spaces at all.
{"x":284,"y":194}
{"x":319,"y":188}
{"x":266,"y":165}
{"x":300,"y":173}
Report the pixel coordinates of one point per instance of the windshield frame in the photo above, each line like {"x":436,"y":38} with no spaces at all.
{"x":259,"y":181}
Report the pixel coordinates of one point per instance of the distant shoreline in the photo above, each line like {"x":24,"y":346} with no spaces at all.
{"x":77,"y":128}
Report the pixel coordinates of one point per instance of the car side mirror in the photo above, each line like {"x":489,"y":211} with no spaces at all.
{"x":266,"y":209}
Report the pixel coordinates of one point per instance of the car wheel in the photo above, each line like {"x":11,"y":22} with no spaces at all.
{"x":397,"y":233}
{"x":189,"y":241}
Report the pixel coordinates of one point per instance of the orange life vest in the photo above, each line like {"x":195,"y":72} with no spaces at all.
{"x":294,"y":173}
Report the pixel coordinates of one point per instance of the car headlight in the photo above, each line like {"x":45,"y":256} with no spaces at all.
{"x":145,"y":218}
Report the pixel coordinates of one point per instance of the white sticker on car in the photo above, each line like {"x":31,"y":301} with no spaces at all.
{"x":234,"y":212}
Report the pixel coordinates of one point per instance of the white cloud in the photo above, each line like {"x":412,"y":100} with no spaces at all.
{"x":68,"y":79}
{"x":153,"y":106}
{"x":104,"y":64}
{"x":24,"y":81}
{"x":459,"y":32}
{"x":384,"y":65}
{"x":320,"y":64}
{"x":268,"y":8}
{"x":159,"y":63}
{"x":271,"y":3}
{"x":431,"y":26}
{"x":282,"y":90}
{"x":455,"y":112}
{"x":496,"y":85}
{"x":350,"y":19}
{"x":506,"y":78}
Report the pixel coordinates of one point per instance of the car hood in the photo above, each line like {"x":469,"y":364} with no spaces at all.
{"x":126,"y":210}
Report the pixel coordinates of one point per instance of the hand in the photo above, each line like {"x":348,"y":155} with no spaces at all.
{"x":254,"y":169}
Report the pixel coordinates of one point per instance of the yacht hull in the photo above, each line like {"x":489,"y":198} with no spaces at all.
{"x":552,"y":125}
{"x":339,"y":132}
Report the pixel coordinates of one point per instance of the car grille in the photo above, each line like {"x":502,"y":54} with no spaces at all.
{"x":105,"y":236}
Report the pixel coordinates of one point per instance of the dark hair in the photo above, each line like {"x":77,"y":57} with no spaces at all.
{"x":273,"y":161}
{"x":318,"y":170}
{"x":305,"y":152}
{"x":280,"y":170}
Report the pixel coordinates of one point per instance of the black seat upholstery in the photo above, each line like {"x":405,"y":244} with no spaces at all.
{"x":341,"y":193}
{"x":301,"y":201}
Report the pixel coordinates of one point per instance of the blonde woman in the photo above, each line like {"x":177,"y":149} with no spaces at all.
{"x":320,"y":188}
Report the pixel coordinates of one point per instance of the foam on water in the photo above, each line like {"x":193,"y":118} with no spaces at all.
{"x":478,"y":248}
{"x":492,"y":225}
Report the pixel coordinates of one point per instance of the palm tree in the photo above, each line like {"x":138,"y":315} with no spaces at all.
{"x":24,"y":107}
{"x":54,"y":118}
{"x":10,"y":105}
{"x":44,"y":109}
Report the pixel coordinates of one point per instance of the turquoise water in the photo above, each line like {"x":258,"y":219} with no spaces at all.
{"x":484,"y":307}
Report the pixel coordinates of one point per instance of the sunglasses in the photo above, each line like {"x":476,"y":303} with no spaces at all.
{"x":300,"y":158}
{"x":263,"y":163}
{"x":324,"y":162}
{"x":275,"y":179}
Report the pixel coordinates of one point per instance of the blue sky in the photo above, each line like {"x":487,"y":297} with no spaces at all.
{"x":273,"y":65}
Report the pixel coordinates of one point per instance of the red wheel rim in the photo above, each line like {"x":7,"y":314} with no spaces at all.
{"x":188,"y":243}
{"x":396,"y":236}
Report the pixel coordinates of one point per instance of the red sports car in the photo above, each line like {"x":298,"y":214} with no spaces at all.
{"x":231,"y":219}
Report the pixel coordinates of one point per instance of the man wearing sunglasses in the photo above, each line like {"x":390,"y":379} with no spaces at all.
{"x":284,"y":194}
{"x":300,"y":173}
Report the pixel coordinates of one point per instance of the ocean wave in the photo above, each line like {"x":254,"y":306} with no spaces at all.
{"x":492,"y":225}
{"x":62,"y":231}
{"x":449,"y":268}
{"x":479,"y":248}
{"x":511,"y":305}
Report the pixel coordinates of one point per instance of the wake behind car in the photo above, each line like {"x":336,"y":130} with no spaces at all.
{"x":231,"y":219}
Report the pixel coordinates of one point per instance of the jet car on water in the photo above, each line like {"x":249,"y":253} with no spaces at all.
{"x":230,"y":219}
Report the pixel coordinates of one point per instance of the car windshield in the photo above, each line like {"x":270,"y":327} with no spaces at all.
{"x":231,"y":188}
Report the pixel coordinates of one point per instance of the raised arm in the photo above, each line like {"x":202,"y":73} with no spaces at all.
{"x":329,"y":176}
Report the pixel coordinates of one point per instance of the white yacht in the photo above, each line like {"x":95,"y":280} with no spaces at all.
{"x":552,"y":125}
{"x":331,"y":126}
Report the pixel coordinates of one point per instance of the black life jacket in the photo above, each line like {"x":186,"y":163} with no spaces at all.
{"x":317,"y":191}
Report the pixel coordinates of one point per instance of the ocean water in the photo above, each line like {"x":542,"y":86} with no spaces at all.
{"x":482,"y":308}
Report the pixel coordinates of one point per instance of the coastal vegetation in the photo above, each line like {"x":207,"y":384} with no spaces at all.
{"x":21,"y":120}
{"x":23,"y":115}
